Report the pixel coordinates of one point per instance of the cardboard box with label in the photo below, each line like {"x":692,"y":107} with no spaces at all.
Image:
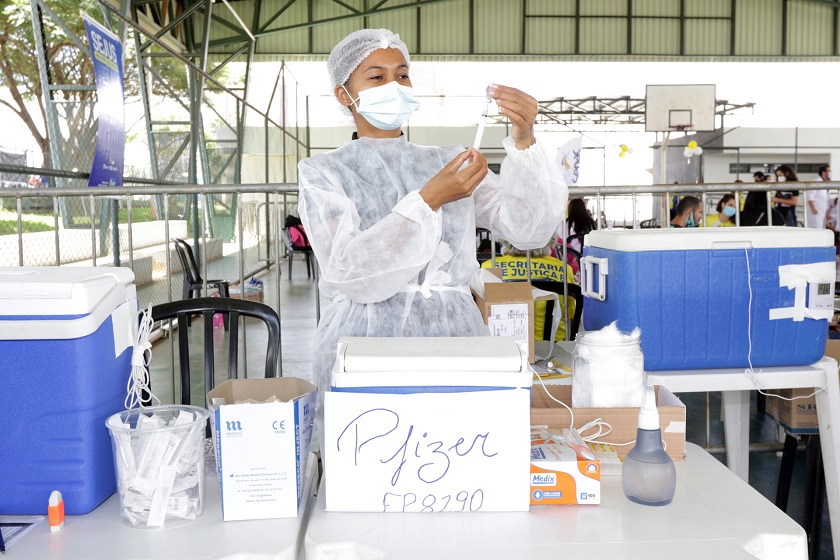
{"x":261,"y":434}
{"x":564,"y":471}
{"x":252,"y":293}
{"x":508,"y":309}
{"x":624,"y":421}
{"x":428,"y":425}
{"x":799,"y":416}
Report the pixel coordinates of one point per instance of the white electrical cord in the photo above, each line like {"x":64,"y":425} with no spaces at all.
{"x":750,"y":372}
{"x":597,"y":423}
{"x":139,"y":382}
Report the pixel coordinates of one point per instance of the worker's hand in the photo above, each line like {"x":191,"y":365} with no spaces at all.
{"x":521,"y":109}
{"x":455,"y":182}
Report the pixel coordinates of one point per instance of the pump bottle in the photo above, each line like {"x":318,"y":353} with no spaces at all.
{"x":648,"y":475}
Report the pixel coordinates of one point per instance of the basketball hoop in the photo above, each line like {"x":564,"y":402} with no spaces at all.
{"x":683,"y":127}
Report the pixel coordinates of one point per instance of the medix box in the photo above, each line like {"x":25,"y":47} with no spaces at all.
{"x":563,"y":472}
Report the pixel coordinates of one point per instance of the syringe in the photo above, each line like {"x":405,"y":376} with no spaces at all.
{"x":480,"y":132}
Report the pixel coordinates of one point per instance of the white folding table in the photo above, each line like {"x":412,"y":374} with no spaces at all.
{"x":735,"y":387}
{"x":100,"y":535}
{"x":714,"y":515}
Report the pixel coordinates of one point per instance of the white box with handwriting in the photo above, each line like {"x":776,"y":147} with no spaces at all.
{"x":428,"y":425}
{"x":261,"y":434}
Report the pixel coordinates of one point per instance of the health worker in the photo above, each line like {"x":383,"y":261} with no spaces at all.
{"x":393,"y":224}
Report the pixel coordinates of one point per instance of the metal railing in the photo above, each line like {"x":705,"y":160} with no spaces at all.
{"x":256,"y":245}
{"x":145,"y":246}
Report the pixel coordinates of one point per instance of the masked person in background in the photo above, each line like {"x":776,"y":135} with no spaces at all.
{"x":689,"y":212}
{"x":725,"y":216}
{"x":816,"y":211}
{"x":785,"y":201}
{"x":392,"y":224}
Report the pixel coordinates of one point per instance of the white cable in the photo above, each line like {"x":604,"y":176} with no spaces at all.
{"x":750,"y":372}
{"x":572,"y":414}
{"x":597,"y":423}
{"x":139,"y":382}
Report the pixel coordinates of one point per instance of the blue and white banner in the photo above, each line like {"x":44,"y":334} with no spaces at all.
{"x":568,"y":158}
{"x":106,"y":50}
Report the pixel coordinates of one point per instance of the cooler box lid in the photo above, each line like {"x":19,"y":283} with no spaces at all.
{"x":695,"y":239}
{"x":46,"y":302}
{"x":431,"y":361}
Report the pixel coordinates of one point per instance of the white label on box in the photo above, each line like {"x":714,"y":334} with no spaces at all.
{"x":509,"y":319}
{"x":427,"y":452}
{"x":258,"y":464}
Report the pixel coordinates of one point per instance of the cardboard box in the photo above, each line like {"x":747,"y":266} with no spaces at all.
{"x":799,"y":416}
{"x":507,"y":308}
{"x":428,"y":425}
{"x":564,"y":472}
{"x":261,"y":434}
{"x":252,"y":293}
{"x":624,"y":421}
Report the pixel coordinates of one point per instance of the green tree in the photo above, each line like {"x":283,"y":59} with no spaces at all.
{"x":68,"y":65}
{"x":19,"y":63}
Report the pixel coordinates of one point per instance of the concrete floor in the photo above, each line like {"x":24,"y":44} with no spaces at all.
{"x":296,"y":303}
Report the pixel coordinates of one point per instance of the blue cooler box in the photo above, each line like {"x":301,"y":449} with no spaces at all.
{"x":66,"y":340}
{"x":695,"y":298}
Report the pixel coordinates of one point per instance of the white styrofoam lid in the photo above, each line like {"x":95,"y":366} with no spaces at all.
{"x":420,"y":354}
{"x":688,"y":239}
{"x":57,"y":290}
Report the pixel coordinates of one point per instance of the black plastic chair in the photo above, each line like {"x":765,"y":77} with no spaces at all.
{"x":232,"y":309}
{"x":649,"y":224}
{"x":574,"y":293}
{"x":292,"y":251}
{"x":193,"y":283}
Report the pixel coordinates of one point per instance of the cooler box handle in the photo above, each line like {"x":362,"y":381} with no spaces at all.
{"x":588,"y":263}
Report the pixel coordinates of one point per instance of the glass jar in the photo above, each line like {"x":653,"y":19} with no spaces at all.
{"x":608,"y":369}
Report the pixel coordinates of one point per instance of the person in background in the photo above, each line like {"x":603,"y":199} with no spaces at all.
{"x":759,"y":177}
{"x":816,"y":211}
{"x":579,"y":221}
{"x":514,"y":266}
{"x":688,"y":214}
{"x":785,"y":201}
{"x":725,"y":216}
{"x":755,"y":211}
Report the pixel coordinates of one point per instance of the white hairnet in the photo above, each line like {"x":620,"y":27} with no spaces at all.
{"x":353,"y":49}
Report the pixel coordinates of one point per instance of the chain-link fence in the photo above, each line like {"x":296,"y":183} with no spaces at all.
{"x":37,"y":239}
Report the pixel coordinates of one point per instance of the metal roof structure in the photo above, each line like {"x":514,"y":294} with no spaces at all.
{"x":206,"y":142}
{"x":624,"y":110}
{"x":518,"y":29}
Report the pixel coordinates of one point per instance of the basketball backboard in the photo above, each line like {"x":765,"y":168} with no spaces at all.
{"x":680,"y":107}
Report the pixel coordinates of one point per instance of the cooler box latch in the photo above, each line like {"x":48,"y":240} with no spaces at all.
{"x":588,"y":263}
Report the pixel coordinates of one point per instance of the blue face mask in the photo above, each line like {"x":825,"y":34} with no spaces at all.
{"x":729,"y":211}
{"x":386,"y":107}
{"x":689,"y":222}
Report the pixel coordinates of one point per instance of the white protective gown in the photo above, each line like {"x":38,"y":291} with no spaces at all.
{"x":820,"y":200}
{"x":390,"y":266}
